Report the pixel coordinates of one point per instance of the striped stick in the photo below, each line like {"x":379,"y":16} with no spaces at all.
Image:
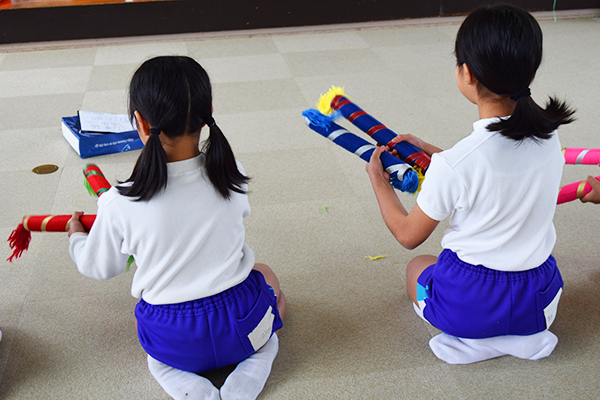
{"x":402,"y":175}
{"x":20,"y":238}
{"x":581,"y":155}
{"x":54,"y":223}
{"x":574,"y":191}
{"x":382,"y":134}
{"x":95,"y":180}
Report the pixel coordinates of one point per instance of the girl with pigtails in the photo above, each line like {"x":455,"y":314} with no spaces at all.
{"x":204,"y":302}
{"x":495,"y":287}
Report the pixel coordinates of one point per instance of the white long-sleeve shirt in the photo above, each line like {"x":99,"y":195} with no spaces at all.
{"x":188,"y":241}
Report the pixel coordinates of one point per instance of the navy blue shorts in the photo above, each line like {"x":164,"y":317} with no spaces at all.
{"x":472,"y":301}
{"x":210,"y":333}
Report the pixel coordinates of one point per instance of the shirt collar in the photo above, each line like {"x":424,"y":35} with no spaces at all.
{"x":190,"y":164}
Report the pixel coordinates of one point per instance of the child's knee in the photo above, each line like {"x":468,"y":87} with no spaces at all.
{"x":273,"y":281}
{"x":414,"y":269}
{"x":269,"y":276}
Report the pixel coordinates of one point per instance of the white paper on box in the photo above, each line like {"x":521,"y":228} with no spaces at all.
{"x":103,"y":122}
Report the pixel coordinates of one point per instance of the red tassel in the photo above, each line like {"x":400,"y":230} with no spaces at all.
{"x":19,"y":241}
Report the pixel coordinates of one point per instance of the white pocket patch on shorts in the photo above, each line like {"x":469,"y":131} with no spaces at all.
{"x":262,"y":333}
{"x":550,"y":310}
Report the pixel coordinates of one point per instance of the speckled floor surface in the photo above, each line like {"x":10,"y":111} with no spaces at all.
{"x":351,"y":332}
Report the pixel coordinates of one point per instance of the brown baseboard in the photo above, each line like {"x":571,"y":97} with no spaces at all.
{"x":124,"y":19}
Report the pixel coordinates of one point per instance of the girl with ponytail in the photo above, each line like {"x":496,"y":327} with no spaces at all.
{"x":495,"y":287}
{"x":204,"y":303}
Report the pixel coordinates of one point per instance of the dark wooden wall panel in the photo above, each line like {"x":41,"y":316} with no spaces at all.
{"x":22,"y":25}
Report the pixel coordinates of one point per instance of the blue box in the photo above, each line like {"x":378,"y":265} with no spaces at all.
{"x":91,"y":144}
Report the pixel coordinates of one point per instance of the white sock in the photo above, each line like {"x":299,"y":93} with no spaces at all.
{"x":249,"y":377}
{"x":455,"y":350}
{"x":182,"y":384}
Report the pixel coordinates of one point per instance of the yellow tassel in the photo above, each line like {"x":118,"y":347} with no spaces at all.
{"x":421,"y":177}
{"x":324,"y":103}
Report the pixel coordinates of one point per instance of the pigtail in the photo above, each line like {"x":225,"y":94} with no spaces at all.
{"x":149,"y":175}
{"x":220,"y":163}
{"x":174,"y":96}
{"x":529,"y":120}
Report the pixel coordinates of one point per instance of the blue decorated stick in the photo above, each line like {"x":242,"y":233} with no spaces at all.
{"x":381,"y":133}
{"x":336,"y":102}
{"x":402,"y":176}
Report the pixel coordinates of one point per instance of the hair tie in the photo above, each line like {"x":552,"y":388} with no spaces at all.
{"x":210,"y":122}
{"x":520,"y":93}
{"x":155,"y":131}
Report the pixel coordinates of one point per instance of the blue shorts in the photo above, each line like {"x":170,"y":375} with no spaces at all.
{"x":210,"y":333}
{"x":472,"y":301}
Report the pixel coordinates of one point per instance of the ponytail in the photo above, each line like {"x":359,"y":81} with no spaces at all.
{"x":502,"y":46}
{"x":149,"y":175}
{"x":220,"y":163}
{"x":530,"y":120}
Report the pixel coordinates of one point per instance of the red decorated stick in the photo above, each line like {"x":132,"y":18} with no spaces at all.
{"x":95,"y":179}
{"x":19,"y":238}
{"x":574,"y":191}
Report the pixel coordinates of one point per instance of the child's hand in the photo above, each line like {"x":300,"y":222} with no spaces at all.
{"x":594,"y":195}
{"x":415,"y":141}
{"x":375,"y":167}
{"x":420,"y":144}
{"x":75,"y":225}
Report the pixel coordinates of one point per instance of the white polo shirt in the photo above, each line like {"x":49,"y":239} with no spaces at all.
{"x":501,"y":195}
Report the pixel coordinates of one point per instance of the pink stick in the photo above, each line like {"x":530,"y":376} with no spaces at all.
{"x":581,"y":155}
{"x":574,"y":191}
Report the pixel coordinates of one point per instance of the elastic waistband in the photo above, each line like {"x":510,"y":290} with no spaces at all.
{"x":206,"y":304}
{"x":451,"y":260}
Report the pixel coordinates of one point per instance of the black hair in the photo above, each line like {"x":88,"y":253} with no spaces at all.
{"x":502,"y":46}
{"x":173,"y":93}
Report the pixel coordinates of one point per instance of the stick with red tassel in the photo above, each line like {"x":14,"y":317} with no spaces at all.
{"x":19,"y":239}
